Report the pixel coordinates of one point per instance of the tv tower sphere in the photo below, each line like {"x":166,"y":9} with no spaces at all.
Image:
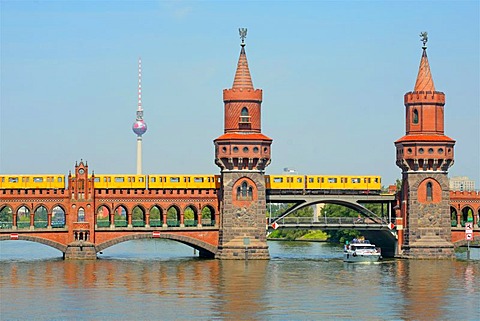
{"x":139,"y":127}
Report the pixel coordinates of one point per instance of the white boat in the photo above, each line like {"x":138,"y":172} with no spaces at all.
{"x":361,"y":251}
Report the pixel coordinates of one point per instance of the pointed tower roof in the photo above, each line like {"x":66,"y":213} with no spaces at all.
{"x":424,"y":78}
{"x":242,"y":75}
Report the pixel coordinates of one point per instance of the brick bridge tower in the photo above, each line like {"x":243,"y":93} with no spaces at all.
{"x":242,"y":153}
{"x":424,"y":154}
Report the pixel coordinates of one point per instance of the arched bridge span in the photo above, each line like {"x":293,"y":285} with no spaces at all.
{"x":62,"y":248}
{"x":205,"y":249}
{"x":350,"y":201}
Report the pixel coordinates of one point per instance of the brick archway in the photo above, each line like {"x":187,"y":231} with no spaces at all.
{"x":203,"y":247}
{"x":62,"y":248}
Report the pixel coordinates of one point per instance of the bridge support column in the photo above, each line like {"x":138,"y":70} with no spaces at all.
{"x":242,"y":230}
{"x":427,"y":234}
{"x":80,"y":250}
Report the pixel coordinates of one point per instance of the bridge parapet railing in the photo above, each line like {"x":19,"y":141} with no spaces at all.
{"x":6,"y":225}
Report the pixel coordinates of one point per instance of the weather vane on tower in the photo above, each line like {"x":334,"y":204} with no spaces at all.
{"x":424,"y":36}
{"x":243,"y":34}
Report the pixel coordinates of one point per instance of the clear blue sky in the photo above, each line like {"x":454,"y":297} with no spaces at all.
{"x":333,"y":74}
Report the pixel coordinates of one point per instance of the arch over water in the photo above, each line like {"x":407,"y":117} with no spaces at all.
{"x":352,"y":205}
{"x":205,"y":249}
{"x":62,"y":248}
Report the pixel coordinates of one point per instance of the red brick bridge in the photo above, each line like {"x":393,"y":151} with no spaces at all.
{"x":80,"y":220}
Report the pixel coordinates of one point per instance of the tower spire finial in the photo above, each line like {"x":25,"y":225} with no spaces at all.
{"x":424,"y":36}
{"x":243,"y":35}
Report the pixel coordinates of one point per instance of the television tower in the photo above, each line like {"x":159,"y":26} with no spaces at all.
{"x":139,"y":126}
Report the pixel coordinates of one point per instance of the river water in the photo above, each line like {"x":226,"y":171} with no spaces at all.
{"x":163,"y":280}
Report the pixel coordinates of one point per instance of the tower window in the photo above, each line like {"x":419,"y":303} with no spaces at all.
{"x":415,"y":116}
{"x":81,"y":215}
{"x":244,"y":116}
{"x":245,"y":192}
{"x":429,"y":191}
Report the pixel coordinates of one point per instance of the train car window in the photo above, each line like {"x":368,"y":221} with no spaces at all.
{"x":355,"y":180}
{"x":119,"y":179}
{"x":152,"y":179}
{"x":199,"y":179}
{"x":369,"y":179}
{"x":13,"y":179}
{"x":140,"y":179}
{"x":174,"y":179}
{"x":376,"y":179}
{"x":323,"y":180}
{"x":310,"y":180}
{"x":96,"y":179}
{"x":278,"y":179}
{"x":299,"y":180}
{"x":332,"y":179}
{"x":38,"y":179}
{"x":60,"y":179}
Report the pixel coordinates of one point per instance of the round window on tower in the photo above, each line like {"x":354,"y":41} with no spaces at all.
{"x":430,"y":150}
{"x":420,"y":151}
{"x":440,"y":150}
{"x":409,"y":150}
{"x":245,"y":149}
{"x":235,"y":149}
{"x":224,"y":149}
{"x":255,"y":149}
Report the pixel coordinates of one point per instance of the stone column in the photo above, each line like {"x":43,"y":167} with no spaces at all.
{"x":242,"y":232}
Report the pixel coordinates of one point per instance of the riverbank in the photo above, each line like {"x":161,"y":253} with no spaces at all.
{"x":298,"y":240}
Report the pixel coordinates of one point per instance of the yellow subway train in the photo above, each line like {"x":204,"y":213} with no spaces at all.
{"x":309,"y":184}
{"x":55,"y":181}
{"x":324,"y":184}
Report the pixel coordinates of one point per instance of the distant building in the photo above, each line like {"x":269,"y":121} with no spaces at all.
{"x":461,"y":183}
